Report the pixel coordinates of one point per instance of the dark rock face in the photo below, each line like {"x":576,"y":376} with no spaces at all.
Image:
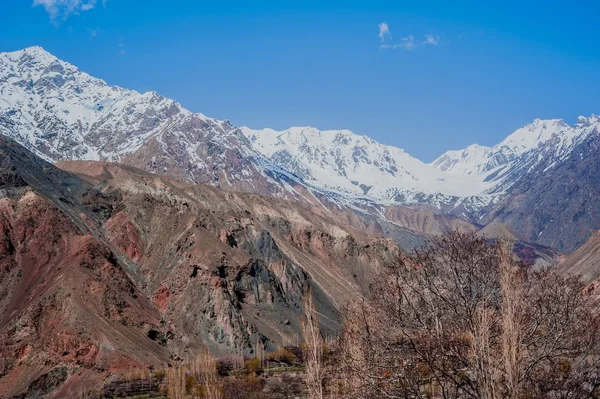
{"x":557,"y":205}
{"x":46,"y":383}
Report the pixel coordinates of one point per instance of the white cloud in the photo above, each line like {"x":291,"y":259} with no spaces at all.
{"x":407,"y":43}
{"x":61,"y":9}
{"x":432,"y":39}
{"x":122,"y":47}
{"x":384,"y":31}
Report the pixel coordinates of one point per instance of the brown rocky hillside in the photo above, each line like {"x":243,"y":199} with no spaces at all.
{"x":105,"y":267}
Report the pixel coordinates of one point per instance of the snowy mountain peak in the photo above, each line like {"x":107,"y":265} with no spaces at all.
{"x":344,"y":162}
{"x":341,"y":161}
{"x":34,"y":62}
{"x":583,"y":121}
{"x":542,"y":143}
{"x":62,"y":113}
{"x":535,"y":134}
{"x":467,"y":161}
{"x":34,"y":52}
{"x":268,"y":139}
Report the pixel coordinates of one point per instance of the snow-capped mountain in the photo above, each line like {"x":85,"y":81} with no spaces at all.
{"x":466,"y":181}
{"x":554,"y":138}
{"x":62,"y":113}
{"x":341,"y":161}
{"x":554,"y":190}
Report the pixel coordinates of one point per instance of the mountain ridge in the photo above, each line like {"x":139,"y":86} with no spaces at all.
{"x":62,"y":113}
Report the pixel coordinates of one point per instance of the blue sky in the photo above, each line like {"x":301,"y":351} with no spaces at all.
{"x":439,"y":75}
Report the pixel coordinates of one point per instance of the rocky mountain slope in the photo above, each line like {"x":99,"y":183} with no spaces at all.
{"x":68,"y":307}
{"x":62,"y":113}
{"x":557,"y":204}
{"x":585,"y":262}
{"x":105,"y":267}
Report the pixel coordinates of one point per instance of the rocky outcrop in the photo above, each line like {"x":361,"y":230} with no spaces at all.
{"x":67,"y":307}
{"x":229,"y":269}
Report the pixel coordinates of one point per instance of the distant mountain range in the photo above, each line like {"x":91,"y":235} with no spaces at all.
{"x":540,"y":181}
{"x":479,"y":176}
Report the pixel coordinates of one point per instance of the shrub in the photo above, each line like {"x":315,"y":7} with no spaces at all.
{"x":282,"y":355}
{"x":248,"y":388}
{"x":253,"y":365}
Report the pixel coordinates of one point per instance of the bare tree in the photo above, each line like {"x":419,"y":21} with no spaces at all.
{"x":512,"y":289}
{"x":462,"y":318}
{"x":204,"y":370}
{"x":312,"y":349}
{"x":176,"y":382}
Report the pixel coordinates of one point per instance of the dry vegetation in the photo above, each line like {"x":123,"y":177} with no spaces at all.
{"x":463,"y":318}
{"x":312,"y":350}
{"x":206,"y":378}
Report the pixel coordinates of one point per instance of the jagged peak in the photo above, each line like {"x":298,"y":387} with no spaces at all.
{"x":44,"y":59}
{"x":311,"y":132}
{"x":467,"y":152}
{"x":36,"y":49}
{"x":473,"y":148}
{"x":36,"y":52}
{"x":584,"y":121}
{"x":538,"y":123}
{"x":36,"y":61}
{"x":535,"y":133}
{"x":477,"y":159}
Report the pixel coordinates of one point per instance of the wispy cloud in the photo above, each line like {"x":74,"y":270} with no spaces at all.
{"x":93,"y":32}
{"x":122,"y":47}
{"x":433,"y":40}
{"x":59,"y":10}
{"x":407,"y":43}
{"x":384,"y":31}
